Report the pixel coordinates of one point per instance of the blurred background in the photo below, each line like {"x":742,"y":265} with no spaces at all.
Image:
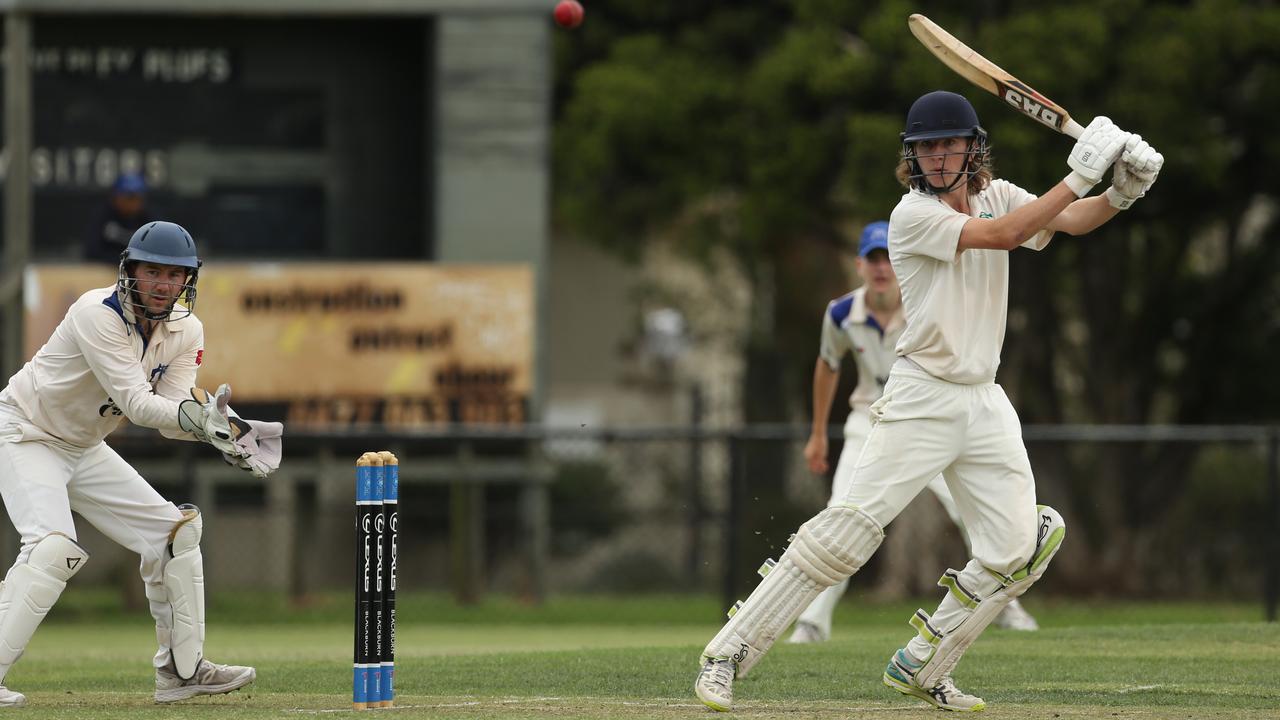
{"x":575,"y":278}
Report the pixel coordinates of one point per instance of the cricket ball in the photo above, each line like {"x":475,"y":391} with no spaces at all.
{"x":569,"y":13}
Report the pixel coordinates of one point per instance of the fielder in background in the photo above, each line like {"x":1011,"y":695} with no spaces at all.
{"x":941,"y":411}
{"x":866,"y":324}
{"x":130,"y":350}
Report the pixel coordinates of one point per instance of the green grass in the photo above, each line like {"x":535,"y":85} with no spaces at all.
{"x":636,"y":658}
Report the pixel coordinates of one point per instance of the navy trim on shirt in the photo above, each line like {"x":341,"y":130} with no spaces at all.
{"x":113,"y":301}
{"x":873,"y":323}
{"x":840,"y":308}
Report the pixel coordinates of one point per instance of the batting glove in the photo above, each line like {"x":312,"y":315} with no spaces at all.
{"x":1134,"y":173}
{"x":1095,"y":151}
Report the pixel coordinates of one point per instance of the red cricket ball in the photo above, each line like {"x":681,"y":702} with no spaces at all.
{"x":569,"y":13}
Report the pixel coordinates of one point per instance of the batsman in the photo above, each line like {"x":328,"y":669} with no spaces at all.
{"x":941,"y":411}
{"x":130,"y":350}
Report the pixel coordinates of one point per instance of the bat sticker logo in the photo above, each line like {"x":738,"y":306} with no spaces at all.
{"x":1031,"y":103}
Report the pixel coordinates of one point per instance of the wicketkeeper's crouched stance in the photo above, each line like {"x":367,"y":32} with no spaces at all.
{"x":941,"y":411}
{"x":129,"y":350}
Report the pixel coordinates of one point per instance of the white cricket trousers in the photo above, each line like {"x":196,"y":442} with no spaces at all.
{"x":42,"y":480}
{"x":972,"y":436}
{"x":856,"y":429}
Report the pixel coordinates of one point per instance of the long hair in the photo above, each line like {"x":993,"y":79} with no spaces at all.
{"x":980,"y":168}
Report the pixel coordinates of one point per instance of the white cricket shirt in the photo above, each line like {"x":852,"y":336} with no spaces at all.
{"x":955,"y":303}
{"x":96,"y":369}
{"x":847,"y":327}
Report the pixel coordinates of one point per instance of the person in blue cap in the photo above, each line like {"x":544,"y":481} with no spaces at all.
{"x":866,"y":324}
{"x":114,"y":223}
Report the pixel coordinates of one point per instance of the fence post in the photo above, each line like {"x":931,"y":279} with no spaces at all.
{"x":732,"y":517}
{"x":693,"y":491}
{"x":466,"y":529}
{"x":1271,"y":587}
{"x":535,"y":521}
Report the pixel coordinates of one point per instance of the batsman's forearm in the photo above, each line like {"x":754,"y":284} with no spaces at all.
{"x":1084,"y":215}
{"x":1040,"y":213}
{"x":824,"y":391}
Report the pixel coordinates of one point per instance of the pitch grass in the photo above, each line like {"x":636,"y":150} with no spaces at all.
{"x":636,"y":658}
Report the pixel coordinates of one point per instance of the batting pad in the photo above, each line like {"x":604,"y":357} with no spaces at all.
{"x":31,"y":589}
{"x":972,"y":602}
{"x":830,"y":547}
{"x":184,"y":581}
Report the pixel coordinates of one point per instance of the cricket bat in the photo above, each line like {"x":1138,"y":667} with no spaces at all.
{"x":990,"y":77}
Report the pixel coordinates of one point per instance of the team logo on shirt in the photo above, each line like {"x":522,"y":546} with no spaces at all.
{"x":157,"y":373}
{"x":199,"y":356}
{"x":985,"y":214}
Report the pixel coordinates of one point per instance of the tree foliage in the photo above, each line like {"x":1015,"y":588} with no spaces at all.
{"x":787,"y":114}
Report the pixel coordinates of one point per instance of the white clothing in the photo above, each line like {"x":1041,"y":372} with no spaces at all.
{"x":856,"y":429}
{"x":970,"y":434}
{"x":95,"y":370}
{"x":955,"y":303}
{"x":847,"y":327}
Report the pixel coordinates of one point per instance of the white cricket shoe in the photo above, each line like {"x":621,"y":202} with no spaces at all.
{"x":9,"y":698}
{"x":714,"y":685}
{"x":210,"y":679}
{"x":901,"y":676}
{"x":1016,"y":617}
{"x":807,"y":632}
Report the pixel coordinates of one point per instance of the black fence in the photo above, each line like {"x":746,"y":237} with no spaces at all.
{"x":1152,"y":511}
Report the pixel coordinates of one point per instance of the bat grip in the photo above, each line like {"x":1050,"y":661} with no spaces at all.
{"x":1072,"y":128}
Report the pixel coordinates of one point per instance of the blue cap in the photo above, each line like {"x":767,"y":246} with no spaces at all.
{"x":130,"y":183}
{"x":874,"y":237}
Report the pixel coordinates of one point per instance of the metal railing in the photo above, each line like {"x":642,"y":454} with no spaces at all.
{"x":465,"y":459}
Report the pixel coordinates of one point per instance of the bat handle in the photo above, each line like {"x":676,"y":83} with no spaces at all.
{"x":1072,"y":128}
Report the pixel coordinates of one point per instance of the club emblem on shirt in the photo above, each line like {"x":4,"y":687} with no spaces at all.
{"x":157,"y":373}
{"x":199,"y":357}
{"x":985,"y":214}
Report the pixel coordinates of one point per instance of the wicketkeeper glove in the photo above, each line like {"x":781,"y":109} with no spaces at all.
{"x":205,"y":417}
{"x":261,"y":444}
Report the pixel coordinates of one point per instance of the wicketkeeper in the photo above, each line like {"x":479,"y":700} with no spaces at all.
{"x":942,"y":411}
{"x":130,"y":350}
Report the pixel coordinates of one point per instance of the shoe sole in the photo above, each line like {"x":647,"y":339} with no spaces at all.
{"x":190,"y":691}
{"x":714,"y":705}
{"x":916,"y":692}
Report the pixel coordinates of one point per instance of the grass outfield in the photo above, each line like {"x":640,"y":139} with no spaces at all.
{"x":597,"y":658}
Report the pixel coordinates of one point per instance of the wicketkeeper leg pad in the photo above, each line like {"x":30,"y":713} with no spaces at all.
{"x":830,"y":547}
{"x":975,"y":596}
{"x":184,"y":582}
{"x":31,"y":589}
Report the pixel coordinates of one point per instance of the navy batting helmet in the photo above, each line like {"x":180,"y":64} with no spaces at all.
{"x":161,"y":243}
{"x":941,"y":114}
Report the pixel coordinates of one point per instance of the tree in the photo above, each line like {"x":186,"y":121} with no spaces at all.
{"x":788,"y":114}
